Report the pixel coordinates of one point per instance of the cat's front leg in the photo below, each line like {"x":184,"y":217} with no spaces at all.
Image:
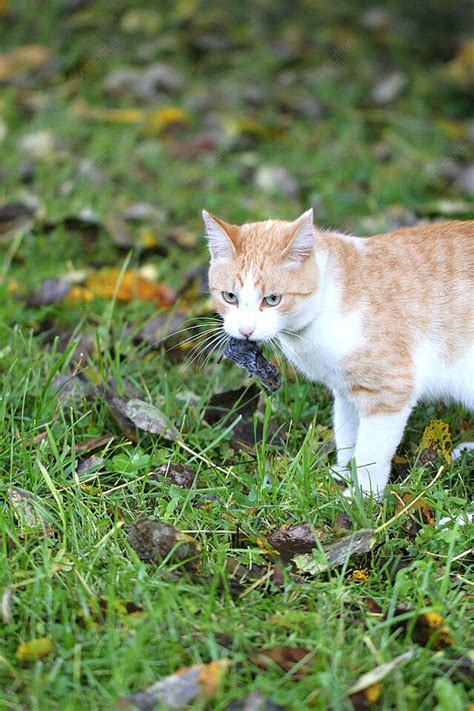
{"x":346,"y":425}
{"x":378,"y":438}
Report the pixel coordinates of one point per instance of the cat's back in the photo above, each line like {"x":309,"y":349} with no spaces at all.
{"x":443,"y":248}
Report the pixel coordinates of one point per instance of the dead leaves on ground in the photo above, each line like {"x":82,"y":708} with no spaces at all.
{"x":336,"y":554}
{"x":367,"y":690}
{"x":176,"y":691}
{"x":295,"y":661}
{"x":34,"y":649}
{"x":30,"y":512}
{"x":135,"y":417}
{"x":154,"y":541}
{"x":419,"y":514}
{"x":436,"y":443}
{"x":428,"y":629}
{"x":289,"y":540}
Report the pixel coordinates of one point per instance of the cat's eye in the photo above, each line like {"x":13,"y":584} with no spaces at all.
{"x":229,"y":297}
{"x":272,"y":299}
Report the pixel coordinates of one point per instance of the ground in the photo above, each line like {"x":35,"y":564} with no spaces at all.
{"x":257,"y":111}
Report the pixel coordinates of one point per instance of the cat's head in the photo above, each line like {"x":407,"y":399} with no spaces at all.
{"x":262,"y":275}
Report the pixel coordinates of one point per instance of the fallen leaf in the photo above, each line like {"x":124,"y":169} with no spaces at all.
{"x":367,"y":689}
{"x":89,"y":445}
{"x":176,"y":473}
{"x":89,"y":465}
{"x":30,"y":512}
{"x":359,"y":575}
{"x":155,"y":541}
{"x":51,"y":291}
{"x":34,"y":649}
{"x":420,"y":513}
{"x":430,"y":629}
{"x":254,"y":702}
{"x":335,"y":554}
{"x":286,"y":658}
{"x":291,"y":540}
{"x":180,"y":689}
{"x":70,"y":389}
{"x":148,"y":418}
{"x":342,"y":523}
{"x":436,"y":442}
{"x":112,"y":283}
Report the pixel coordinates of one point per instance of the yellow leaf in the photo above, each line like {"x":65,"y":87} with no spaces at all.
{"x":211,"y":676}
{"x":360,"y":576}
{"x":109,"y":283}
{"x":164,"y":119}
{"x":34,"y":649}
{"x":148,"y":238}
{"x":372,"y":693}
{"x":437,"y":439}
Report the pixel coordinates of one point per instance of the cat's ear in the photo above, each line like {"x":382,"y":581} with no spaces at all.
{"x":220,"y":235}
{"x":301,"y":238}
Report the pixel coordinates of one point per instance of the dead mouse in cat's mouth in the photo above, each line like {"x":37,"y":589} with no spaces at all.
{"x":247,"y":354}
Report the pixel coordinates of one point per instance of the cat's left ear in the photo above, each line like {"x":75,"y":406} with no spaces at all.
{"x":301,"y":238}
{"x":221,"y":236}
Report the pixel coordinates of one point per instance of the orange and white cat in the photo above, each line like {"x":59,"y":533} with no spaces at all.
{"x":383,"y":321}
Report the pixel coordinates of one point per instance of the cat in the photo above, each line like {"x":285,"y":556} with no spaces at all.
{"x":383,"y":321}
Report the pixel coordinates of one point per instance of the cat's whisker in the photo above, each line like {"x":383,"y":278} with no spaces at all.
{"x":203,"y":341}
{"x":201,"y":347}
{"x":215,"y":348}
{"x":154,"y":344}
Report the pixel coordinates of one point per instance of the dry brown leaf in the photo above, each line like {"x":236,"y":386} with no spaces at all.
{"x":429,"y":628}
{"x":367,"y":689}
{"x":89,"y":445}
{"x":290,"y":540}
{"x":155,"y":541}
{"x":34,"y":649}
{"x":422,"y":512}
{"x":284,"y":657}
{"x":175,"y":473}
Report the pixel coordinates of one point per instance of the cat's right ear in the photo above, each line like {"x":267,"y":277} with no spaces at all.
{"x":220,"y":236}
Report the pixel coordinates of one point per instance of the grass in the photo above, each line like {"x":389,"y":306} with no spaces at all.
{"x":58,"y":580}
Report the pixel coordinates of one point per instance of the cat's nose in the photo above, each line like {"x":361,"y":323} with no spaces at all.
{"x":246,"y":331}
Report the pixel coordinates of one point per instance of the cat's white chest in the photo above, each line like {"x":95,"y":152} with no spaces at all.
{"x":320,"y":349}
